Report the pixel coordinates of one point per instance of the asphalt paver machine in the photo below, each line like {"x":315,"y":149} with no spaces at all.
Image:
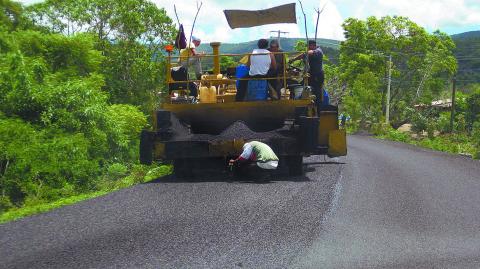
{"x":192,"y":134}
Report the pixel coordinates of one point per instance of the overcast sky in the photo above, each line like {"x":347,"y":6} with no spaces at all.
{"x":450,"y":16}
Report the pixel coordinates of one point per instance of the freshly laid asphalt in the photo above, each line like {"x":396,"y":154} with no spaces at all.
{"x":401,"y":207}
{"x":385,"y":205}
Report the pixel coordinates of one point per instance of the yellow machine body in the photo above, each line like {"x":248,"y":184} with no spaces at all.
{"x":260,"y":116}
{"x":337,"y":143}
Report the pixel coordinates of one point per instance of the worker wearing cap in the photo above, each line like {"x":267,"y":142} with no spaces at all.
{"x":317,"y":77}
{"x":190,"y":57}
{"x":258,"y":152}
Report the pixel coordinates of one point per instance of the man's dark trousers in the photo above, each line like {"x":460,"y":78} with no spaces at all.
{"x":316,"y":82}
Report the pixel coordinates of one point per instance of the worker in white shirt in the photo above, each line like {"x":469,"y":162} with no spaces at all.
{"x":262,"y":65}
{"x":256,"y":157}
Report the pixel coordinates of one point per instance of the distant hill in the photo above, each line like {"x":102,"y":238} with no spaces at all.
{"x":471,"y":34}
{"x":468,"y":57}
{"x":329,"y":46}
{"x":287,"y":44}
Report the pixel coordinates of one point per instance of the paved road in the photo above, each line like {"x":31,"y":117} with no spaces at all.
{"x":387,"y":205}
{"x":401,"y":207}
{"x":169,"y":224}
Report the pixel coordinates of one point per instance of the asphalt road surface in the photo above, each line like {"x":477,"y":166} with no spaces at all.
{"x":385,"y":205}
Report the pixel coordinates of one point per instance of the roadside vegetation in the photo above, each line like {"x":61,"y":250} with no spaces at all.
{"x":431,"y":129}
{"x":422,"y":68}
{"x":77,"y":81}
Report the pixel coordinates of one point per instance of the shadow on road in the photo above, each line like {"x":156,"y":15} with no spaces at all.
{"x":224,"y":177}
{"x":220,"y":175}
{"x":330,"y":162}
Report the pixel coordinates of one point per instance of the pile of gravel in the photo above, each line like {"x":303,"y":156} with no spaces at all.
{"x":178,"y":130}
{"x":237,"y":130}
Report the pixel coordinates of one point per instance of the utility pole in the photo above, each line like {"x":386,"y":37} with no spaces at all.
{"x":452,"y":115}
{"x":278,"y":35}
{"x":387,"y":109}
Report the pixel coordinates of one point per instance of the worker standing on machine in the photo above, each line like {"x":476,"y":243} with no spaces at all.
{"x":317,"y":76}
{"x":255,"y":155}
{"x":278,"y":72}
{"x":261,"y":63}
{"x":190,"y":57}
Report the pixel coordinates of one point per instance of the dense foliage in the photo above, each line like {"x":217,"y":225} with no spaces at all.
{"x":422,"y":63}
{"x":422,"y":68}
{"x":128,"y":33}
{"x":74,"y":79}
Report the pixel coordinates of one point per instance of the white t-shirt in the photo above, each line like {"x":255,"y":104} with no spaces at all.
{"x":259,"y":64}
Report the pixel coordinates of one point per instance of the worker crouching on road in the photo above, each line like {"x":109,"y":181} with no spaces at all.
{"x":256,"y":157}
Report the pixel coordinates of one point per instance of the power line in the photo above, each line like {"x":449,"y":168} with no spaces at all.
{"x":397,"y":52}
{"x":468,"y":70}
{"x":467,"y":59}
{"x":474,"y":46}
{"x":385,"y":54}
{"x":468,"y":80}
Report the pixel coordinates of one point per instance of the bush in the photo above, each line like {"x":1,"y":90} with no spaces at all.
{"x":49,"y":162}
{"x":473,"y":109}
{"x":476,"y":139}
{"x":158,"y":172}
{"x":5,"y":204}
{"x":419,"y":123}
{"x":380,"y":128}
{"x":439,"y":144}
{"x":116,"y":171}
{"x":124,"y":124}
{"x":395,"y":135}
{"x":443,"y":123}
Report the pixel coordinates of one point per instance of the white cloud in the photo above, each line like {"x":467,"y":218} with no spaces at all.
{"x":432,"y":14}
{"x":330,"y":22}
{"x":28,"y":2}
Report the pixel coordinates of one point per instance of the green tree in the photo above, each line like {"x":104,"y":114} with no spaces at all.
{"x":10,"y":14}
{"x":300,"y":46}
{"x":422,"y":62}
{"x":334,"y":85}
{"x":226,"y":62}
{"x":130,"y":35}
{"x":363,"y":101}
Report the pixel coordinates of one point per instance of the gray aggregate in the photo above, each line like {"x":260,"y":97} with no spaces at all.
{"x":204,"y":223}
